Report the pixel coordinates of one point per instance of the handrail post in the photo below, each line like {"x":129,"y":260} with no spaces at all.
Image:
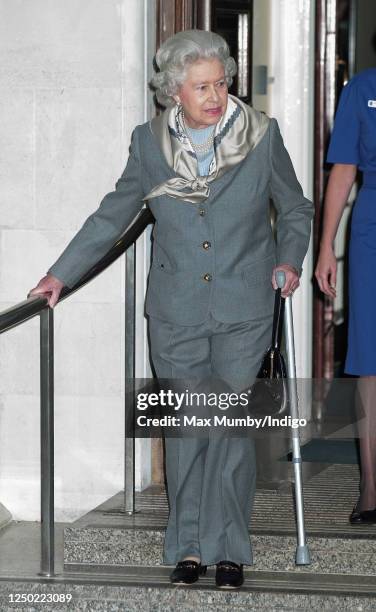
{"x":47,"y":441}
{"x":129,"y":391}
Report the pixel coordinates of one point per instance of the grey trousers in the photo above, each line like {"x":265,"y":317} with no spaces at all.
{"x":211,"y":480}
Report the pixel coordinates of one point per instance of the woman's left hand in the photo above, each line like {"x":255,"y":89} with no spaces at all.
{"x":292,"y":279}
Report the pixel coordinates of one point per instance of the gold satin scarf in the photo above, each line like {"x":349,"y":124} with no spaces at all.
{"x":237,"y":133}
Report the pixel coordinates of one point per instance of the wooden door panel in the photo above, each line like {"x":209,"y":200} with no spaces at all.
{"x":174,"y":16}
{"x":335,"y":49}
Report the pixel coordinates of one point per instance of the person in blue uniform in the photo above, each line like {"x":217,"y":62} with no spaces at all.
{"x":352,"y":147}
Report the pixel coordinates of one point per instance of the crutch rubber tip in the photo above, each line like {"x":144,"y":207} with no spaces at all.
{"x":302,"y":556}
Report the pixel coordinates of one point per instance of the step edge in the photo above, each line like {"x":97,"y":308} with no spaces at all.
{"x":254,"y":581}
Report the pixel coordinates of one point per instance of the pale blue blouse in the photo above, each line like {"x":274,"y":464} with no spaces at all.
{"x":198,"y":137}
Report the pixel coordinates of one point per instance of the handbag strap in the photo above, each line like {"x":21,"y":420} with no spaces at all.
{"x":279,"y":309}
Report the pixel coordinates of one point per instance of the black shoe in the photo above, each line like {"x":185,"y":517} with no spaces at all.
{"x":365,"y":517}
{"x":187,"y":572}
{"x":229,"y":575}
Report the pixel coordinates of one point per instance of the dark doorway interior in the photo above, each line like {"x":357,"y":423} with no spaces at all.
{"x":232,"y":19}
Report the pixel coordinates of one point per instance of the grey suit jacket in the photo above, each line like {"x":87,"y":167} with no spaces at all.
{"x":216,"y":257}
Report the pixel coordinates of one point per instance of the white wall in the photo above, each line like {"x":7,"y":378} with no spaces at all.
{"x":73,"y":85}
{"x":288,"y":28}
{"x":292,"y":103}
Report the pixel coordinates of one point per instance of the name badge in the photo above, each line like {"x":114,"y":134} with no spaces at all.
{"x":372,"y":103}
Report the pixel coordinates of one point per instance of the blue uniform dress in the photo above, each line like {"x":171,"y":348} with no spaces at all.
{"x":353,"y":141}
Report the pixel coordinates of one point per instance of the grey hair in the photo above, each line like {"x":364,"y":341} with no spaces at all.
{"x":175,"y":55}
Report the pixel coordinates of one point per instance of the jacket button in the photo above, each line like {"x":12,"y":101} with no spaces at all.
{"x":206,"y":245}
{"x":201,"y":212}
{"x":207,"y":277}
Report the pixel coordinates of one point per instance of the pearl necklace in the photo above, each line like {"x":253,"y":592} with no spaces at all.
{"x":203,"y":147}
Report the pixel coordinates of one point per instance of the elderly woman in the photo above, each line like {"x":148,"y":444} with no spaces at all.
{"x":207,"y":168}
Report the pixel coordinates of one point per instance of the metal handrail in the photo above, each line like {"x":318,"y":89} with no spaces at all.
{"x":34,"y":305}
{"x":23,"y":311}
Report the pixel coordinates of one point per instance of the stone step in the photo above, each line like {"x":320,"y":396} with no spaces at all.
{"x":149,"y":589}
{"x":109,"y":539}
{"x":108,"y":549}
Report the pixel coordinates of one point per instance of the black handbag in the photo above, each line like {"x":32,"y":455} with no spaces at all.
{"x":268,"y":395}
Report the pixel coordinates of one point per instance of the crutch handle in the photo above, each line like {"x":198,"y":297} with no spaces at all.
{"x":280,"y":278}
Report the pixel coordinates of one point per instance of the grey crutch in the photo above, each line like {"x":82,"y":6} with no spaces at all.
{"x":302,"y":556}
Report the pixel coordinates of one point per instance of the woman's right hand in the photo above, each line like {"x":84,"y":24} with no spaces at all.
{"x":50,"y":285}
{"x":326,"y":271}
